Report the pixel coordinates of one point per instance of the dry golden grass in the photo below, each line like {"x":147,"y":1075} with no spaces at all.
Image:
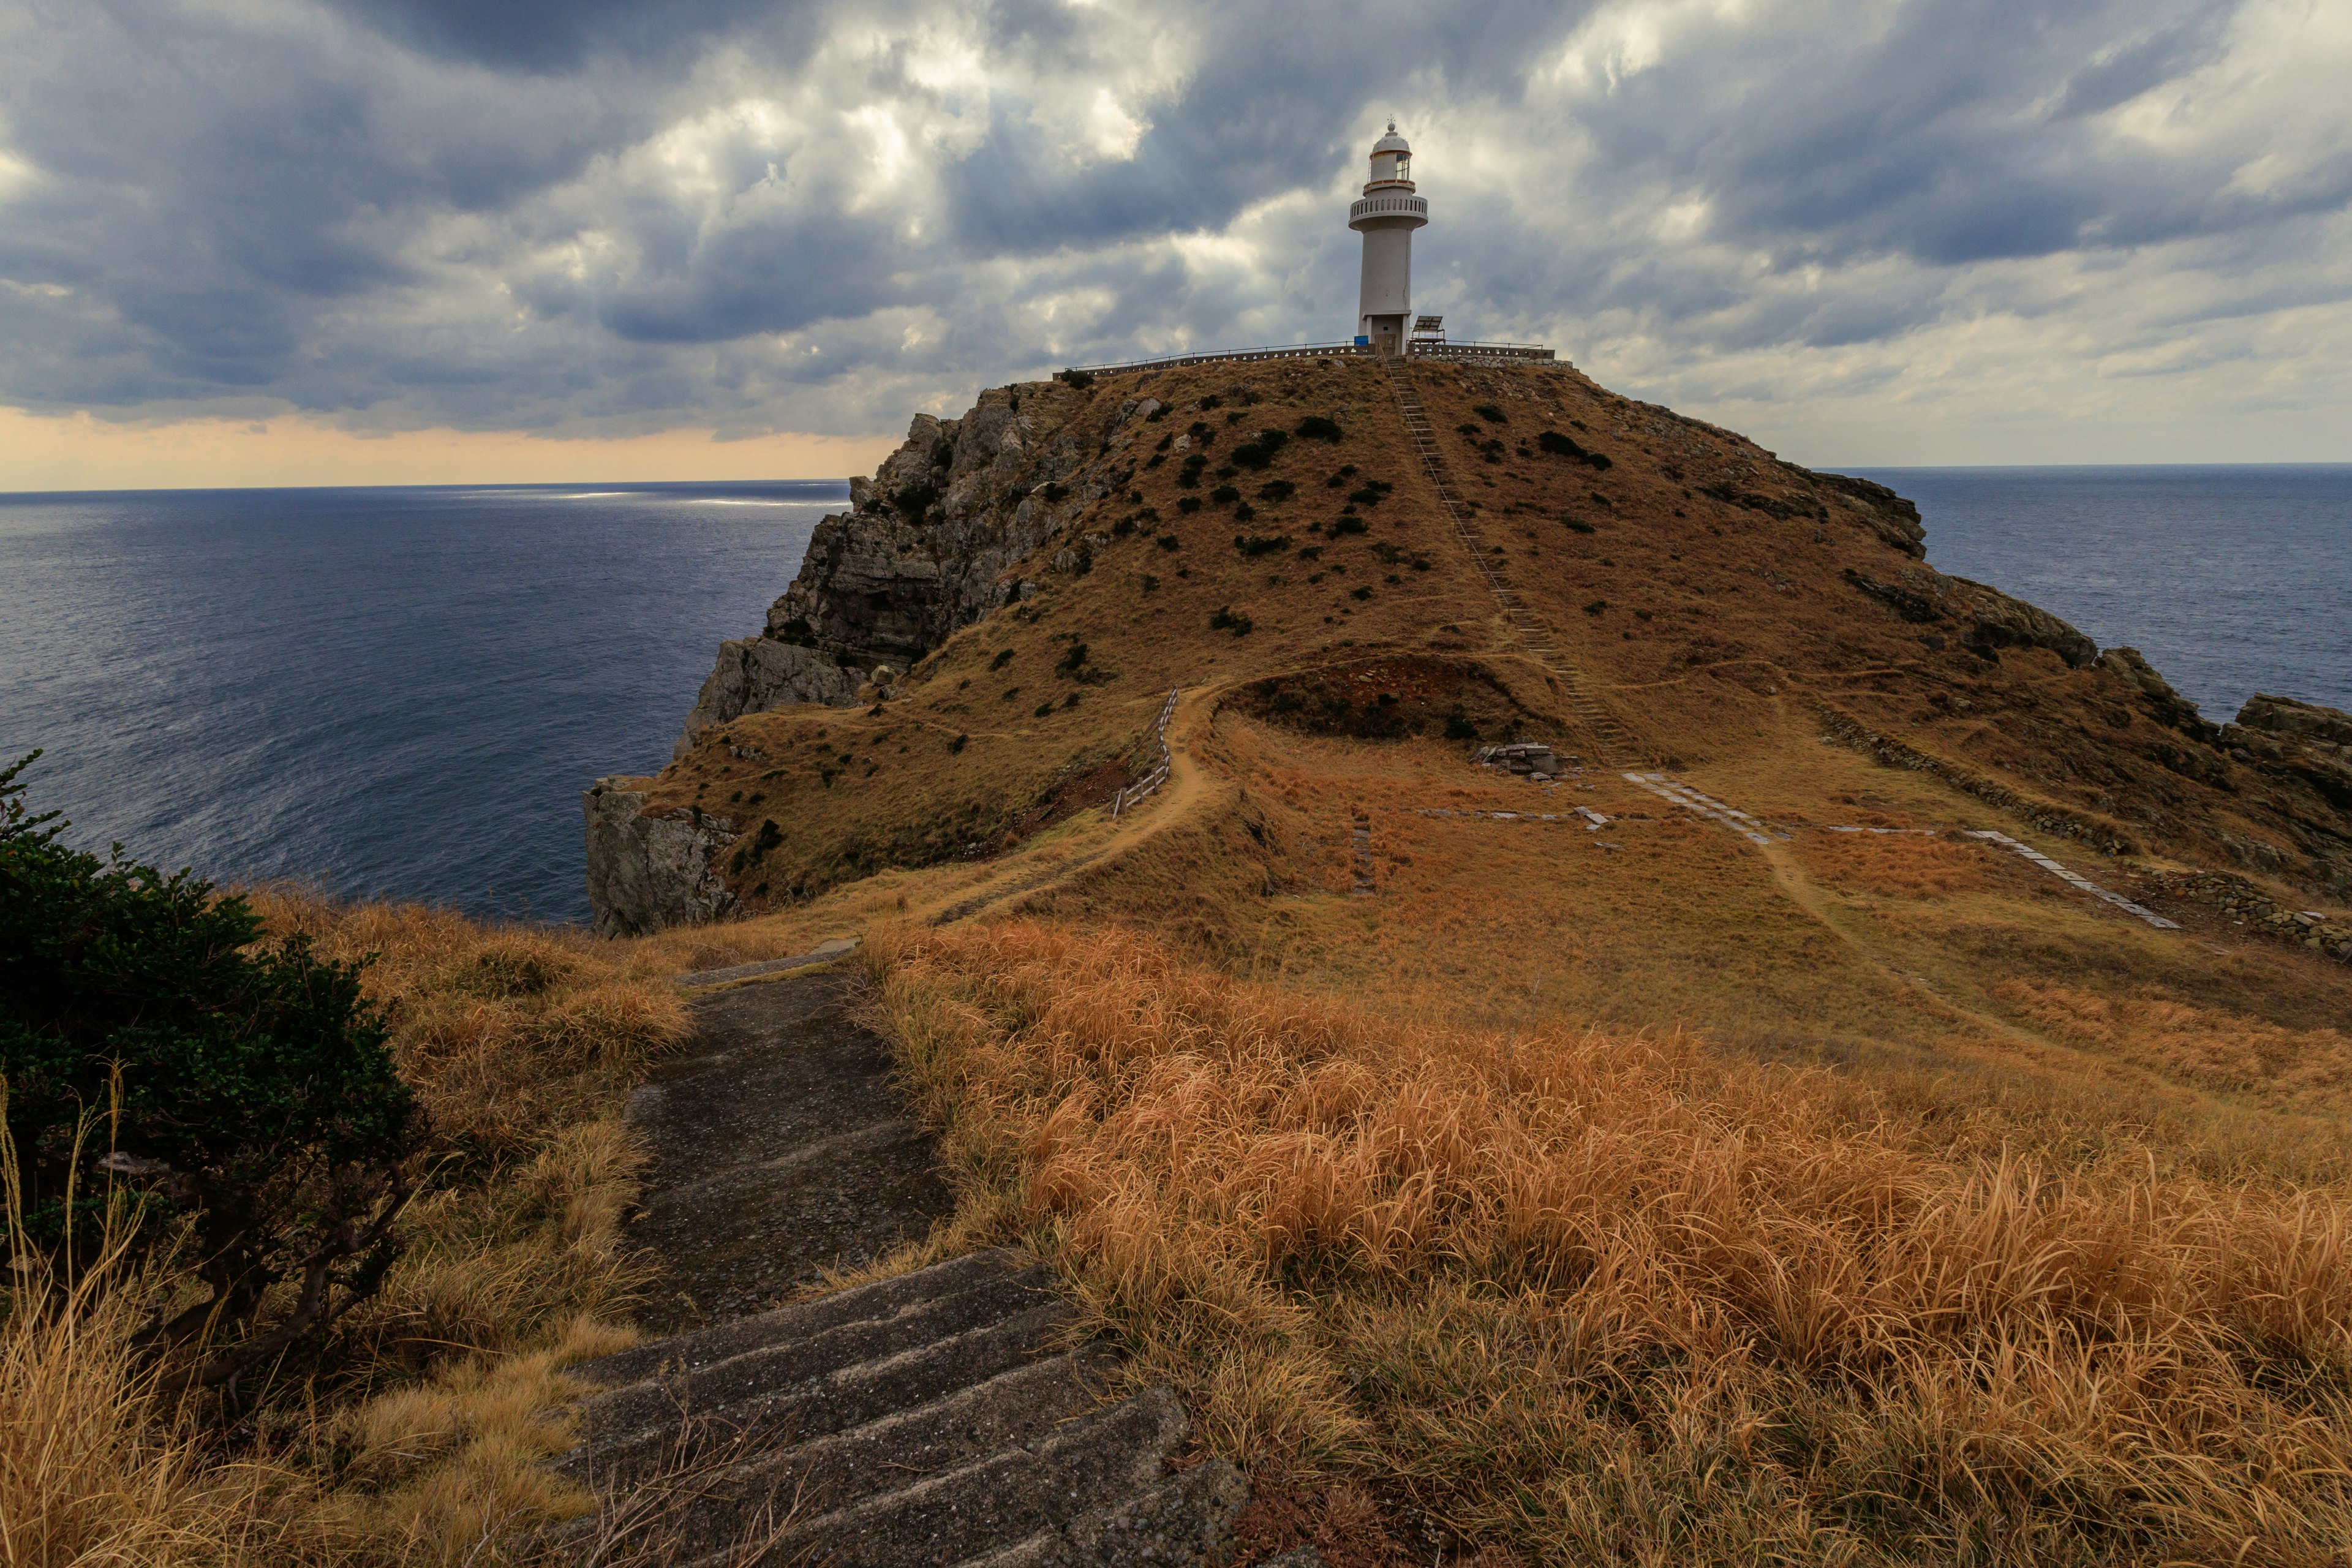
{"x":1605,"y":1297}
{"x":2225,"y":1052}
{"x":1905,"y":866}
{"x":96,"y":1469}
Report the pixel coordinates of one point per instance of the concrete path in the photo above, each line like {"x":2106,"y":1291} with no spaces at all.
{"x":943,"y":1416}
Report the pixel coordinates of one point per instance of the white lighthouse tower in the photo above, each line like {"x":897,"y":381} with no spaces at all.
{"x":1386,"y":215}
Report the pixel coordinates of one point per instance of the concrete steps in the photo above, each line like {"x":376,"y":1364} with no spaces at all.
{"x":943,"y":1416}
{"x":1609,"y":733}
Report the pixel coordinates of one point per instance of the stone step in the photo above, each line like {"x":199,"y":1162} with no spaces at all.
{"x":1090,"y":1467}
{"x":800,"y":1321}
{"x":846,"y":1377}
{"x":1015,"y":1409}
{"x":757,"y":1233}
{"x":1186,"y":1519}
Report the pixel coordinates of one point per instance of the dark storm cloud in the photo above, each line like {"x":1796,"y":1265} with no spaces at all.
{"x":803,"y":215}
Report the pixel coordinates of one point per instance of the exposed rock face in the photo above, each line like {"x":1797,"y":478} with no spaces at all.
{"x":754,"y":674}
{"x":921,"y":552}
{"x":1985,"y":620}
{"x":2301,"y":741}
{"x":2305,"y":724}
{"x":648,"y":872}
{"x":1885,"y":514}
{"x":2169,"y":706}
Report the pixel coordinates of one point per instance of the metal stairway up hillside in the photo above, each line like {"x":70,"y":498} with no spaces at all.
{"x":1611,"y":738}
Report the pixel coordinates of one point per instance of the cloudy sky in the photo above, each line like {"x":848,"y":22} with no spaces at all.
{"x":289,"y":240}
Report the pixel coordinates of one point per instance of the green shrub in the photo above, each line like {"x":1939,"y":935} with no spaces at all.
{"x":1315,"y":428}
{"x":237,"y":1096}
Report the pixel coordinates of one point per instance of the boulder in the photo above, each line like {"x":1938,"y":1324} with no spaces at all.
{"x":646,"y":873}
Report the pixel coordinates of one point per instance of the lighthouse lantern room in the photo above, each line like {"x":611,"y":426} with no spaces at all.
{"x":1386,"y":215}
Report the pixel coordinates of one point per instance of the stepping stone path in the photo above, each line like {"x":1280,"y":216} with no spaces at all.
{"x":1534,"y":635}
{"x":941,"y":1416}
{"x":1754,"y":829}
{"x":2084,"y":883}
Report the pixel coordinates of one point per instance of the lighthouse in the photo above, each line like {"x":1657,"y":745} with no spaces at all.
{"x":1386,"y":215}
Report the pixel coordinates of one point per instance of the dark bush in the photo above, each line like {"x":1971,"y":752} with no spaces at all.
{"x":1347,"y":525}
{"x":958,"y":744}
{"x":1226,"y":620}
{"x":1276,"y":490}
{"x":1576,"y":525}
{"x":1340,"y":478}
{"x":1053,"y":491}
{"x":238,"y":1087}
{"x":1558,"y":446}
{"x":1073,"y":659}
{"x":1224,"y":493}
{"x":1169,"y":541}
{"x":1458,"y":726}
{"x":1078,"y":379}
{"x":1596,"y":608}
{"x":1261,"y":450}
{"x":1257,"y":544}
{"x":1369,"y":492}
{"x":1490,"y":413}
{"x":1315,"y":428}
{"x":1001,"y":660}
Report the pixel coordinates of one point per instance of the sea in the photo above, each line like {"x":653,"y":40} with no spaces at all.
{"x":400,"y":693}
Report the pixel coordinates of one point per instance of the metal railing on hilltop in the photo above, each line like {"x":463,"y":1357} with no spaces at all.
{"x":1535,"y":351}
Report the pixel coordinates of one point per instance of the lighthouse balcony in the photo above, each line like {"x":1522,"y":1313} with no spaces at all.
{"x":1389,"y":212}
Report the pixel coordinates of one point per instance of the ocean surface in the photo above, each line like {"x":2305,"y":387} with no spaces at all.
{"x":393,"y":692}
{"x":401,"y":692}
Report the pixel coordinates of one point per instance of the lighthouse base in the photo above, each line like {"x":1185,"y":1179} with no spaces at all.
{"x":1385,"y":334}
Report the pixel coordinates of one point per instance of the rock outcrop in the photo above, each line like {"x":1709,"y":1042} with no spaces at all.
{"x":922,"y":551}
{"x":755,"y":674}
{"x":648,"y":872}
{"x":1984,"y":620}
{"x":2305,"y":750}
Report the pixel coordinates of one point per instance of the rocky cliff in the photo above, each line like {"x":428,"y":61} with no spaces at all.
{"x":927,"y":547}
